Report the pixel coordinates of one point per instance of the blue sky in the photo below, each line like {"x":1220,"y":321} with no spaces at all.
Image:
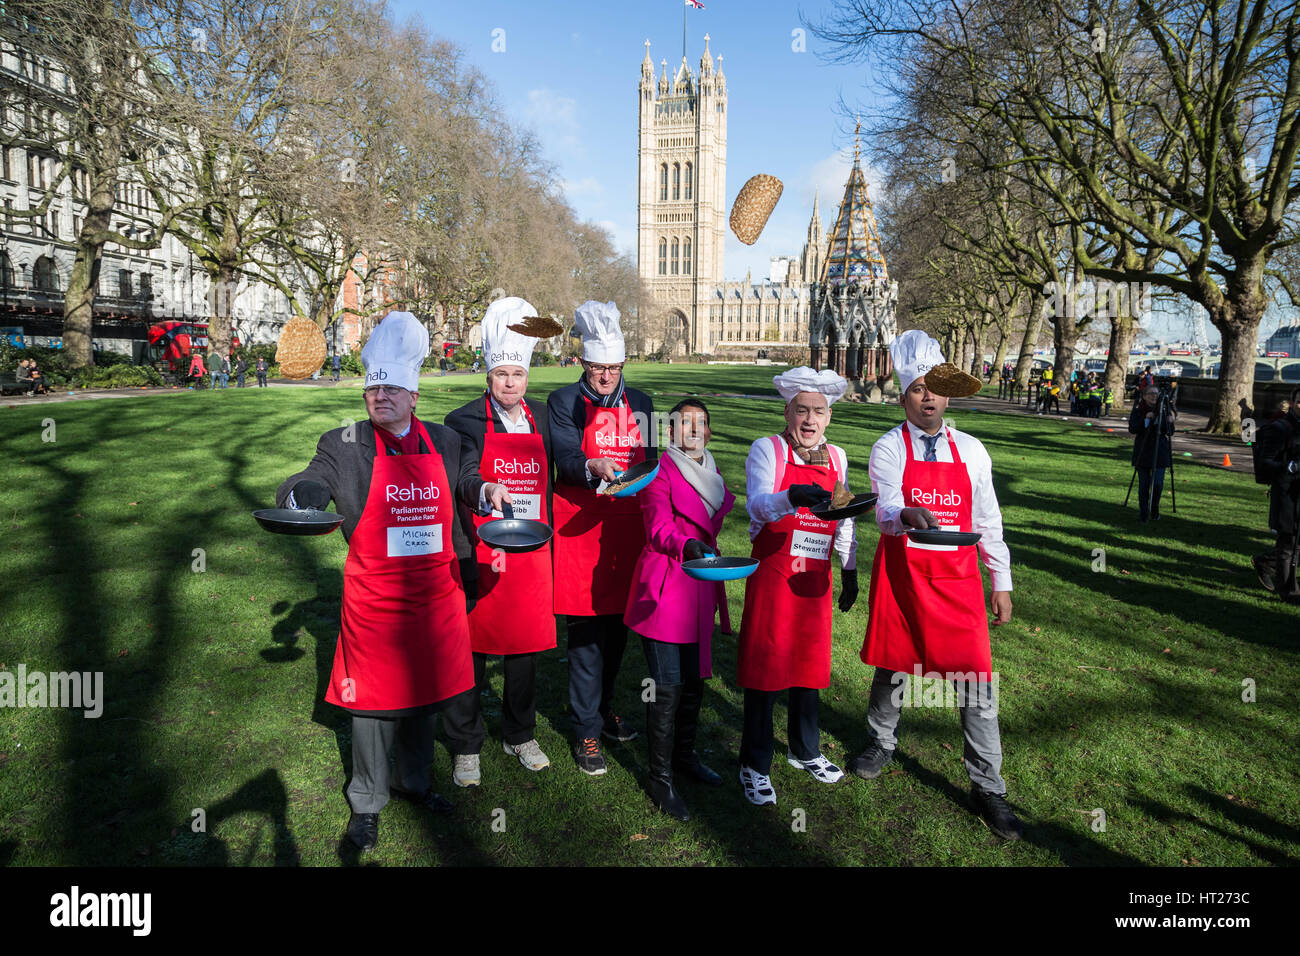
{"x":570,"y":71}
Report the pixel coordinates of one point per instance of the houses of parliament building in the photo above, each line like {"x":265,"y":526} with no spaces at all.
{"x":834,"y":299}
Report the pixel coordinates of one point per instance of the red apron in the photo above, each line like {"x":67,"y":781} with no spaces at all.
{"x":513,"y":613}
{"x":927,"y":601}
{"x":404,"y":642}
{"x":598,"y":538}
{"x":785,"y":633}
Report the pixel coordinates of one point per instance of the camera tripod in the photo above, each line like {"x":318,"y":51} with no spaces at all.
{"x":1156,"y":431}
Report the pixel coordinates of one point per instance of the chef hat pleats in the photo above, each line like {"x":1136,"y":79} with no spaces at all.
{"x":395,"y":351}
{"x":501,"y":346}
{"x":804,"y":379}
{"x":602,"y":337}
{"x":914,"y":353}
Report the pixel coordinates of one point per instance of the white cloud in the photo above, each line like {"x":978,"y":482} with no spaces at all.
{"x":555,"y":118}
{"x":828,"y":176}
{"x":587,"y":186}
{"x":624,"y":235}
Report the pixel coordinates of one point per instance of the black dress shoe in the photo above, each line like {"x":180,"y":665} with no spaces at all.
{"x":871,"y":762}
{"x":363,"y":830}
{"x":996,"y":813}
{"x":434,"y":802}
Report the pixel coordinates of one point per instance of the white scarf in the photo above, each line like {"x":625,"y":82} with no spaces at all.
{"x":702,"y":476}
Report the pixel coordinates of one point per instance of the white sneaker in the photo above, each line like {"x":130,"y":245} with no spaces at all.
{"x":529,"y":754}
{"x":466,"y":773}
{"x":758,"y":788}
{"x":821,"y":768}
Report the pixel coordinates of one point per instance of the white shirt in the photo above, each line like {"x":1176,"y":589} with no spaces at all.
{"x":512,"y":427}
{"x":765,"y":504}
{"x":887,"y":462}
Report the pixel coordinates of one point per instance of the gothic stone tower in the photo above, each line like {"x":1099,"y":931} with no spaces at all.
{"x":682,"y":197}
{"x":854,"y":300}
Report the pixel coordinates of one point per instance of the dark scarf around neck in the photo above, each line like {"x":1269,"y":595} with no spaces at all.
{"x":603,"y":401}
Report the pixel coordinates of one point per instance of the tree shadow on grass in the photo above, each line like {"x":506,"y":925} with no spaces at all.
{"x":1244,"y":817}
{"x":1070,"y":847}
{"x":264,"y":795}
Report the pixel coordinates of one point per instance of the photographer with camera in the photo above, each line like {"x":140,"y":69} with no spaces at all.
{"x":1276,"y":464}
{"x":1152,"y":421}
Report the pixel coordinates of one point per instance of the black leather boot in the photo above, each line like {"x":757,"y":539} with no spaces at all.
{"x":685,"y":759}
{"x":659,"y":732}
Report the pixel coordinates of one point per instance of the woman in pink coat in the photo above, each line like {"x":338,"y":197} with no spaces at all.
{"x":683,"y":510}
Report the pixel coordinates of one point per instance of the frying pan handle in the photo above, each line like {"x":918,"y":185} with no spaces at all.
{"x":508,"y":510}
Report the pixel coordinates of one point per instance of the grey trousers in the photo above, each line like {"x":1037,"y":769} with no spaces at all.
{"x":982,"y":752}
{"x":372,"y":741}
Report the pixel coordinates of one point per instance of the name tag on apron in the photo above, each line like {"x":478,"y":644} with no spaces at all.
{"x":417,"y":539}
{"x":806,"y":544}
{"x":936,"y":547}
{"x":525,"y":506}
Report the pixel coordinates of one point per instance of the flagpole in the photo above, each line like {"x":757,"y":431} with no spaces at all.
{"x":683,"y":29}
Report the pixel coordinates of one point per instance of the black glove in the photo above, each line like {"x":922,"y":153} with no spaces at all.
{"x":311,"y":494}
{"x":805,"y":496}
{"x":848,"y":589}
{"x":696,"y":549}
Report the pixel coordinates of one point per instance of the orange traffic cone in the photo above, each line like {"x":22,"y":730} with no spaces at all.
{"x":1227,"y":462}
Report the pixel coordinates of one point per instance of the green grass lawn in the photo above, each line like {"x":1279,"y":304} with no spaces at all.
{"x":1121,"y":691}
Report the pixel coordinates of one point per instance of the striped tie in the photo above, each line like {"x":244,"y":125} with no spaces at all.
{"x":930,"y":442}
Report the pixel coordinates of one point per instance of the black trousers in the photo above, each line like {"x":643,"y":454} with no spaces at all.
{"x":756,"y":740}
{"x":463,"y":714}
{"x":595,"y":651}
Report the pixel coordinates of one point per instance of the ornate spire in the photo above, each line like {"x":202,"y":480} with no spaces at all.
{"x":857,"y":142}
{"x":647,"y":65}
{"x":854,"y":255}
{"x":706,"y":61}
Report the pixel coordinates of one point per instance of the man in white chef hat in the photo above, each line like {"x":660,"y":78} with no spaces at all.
{"x":927,"y":601}
{"x":599,"y":428}
{"x":785,"y":636}
{"x":403,"y":647}
{"x":505,"y":441}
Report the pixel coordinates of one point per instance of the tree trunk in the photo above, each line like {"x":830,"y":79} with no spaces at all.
{"x":222,"y":299}
{"x":1236,"y":375}
{"x":79,"y":305}
{"x":1123,"y":332}
{"x":83,"y":283}
{"x":1000,"y":357}
{"x":1033,"y":329}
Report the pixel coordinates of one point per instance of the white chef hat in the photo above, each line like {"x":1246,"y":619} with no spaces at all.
{"x":914,"y":353}
{"x":500,"y":345}
{"x":602,"y":338}
{"x":395,"y":351}
{"x":804,"y":379}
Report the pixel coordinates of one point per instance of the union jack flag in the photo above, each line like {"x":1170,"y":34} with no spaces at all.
{"x":695,"y":3}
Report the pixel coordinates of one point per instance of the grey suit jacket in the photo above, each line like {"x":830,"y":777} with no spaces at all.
{"x":344,"y":467}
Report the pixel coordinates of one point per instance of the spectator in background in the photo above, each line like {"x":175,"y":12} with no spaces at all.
{"x":334,"y":365}
{"x":261,"y":371}
{"x":215,"y":372}
{"x":36,"y":378}
{"x":197,"y":371}
{"x":241,"y":369}
{"x":1151,"y":451}
{"x":225,"y":371}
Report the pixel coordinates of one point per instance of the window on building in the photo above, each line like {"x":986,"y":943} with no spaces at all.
{"x":6,"y":271}
{"x":674,"y":256}
{"x":124,"y":289}
{"x":686,"y":255}
{"x":146,"y":286}
{"x":677,"y":180}
{"x":690,"y":185}
{"x":6,"y":170}
{"x":663,"y":182}
{"x":663,"y":257}
{"x":45,"y":277}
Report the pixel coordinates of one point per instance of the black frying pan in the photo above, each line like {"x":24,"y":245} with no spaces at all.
{"x":298,"y":521}
{"x":938,"y":536}
{"x":855,"y":507}
{"x":514,"y":535}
